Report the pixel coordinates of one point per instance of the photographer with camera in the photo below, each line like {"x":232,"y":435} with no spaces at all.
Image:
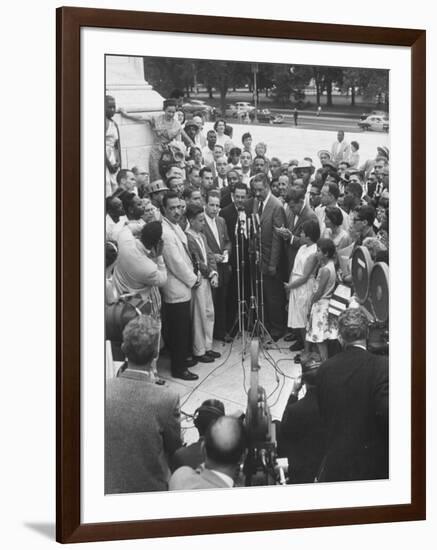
{"x":193,"y":455}
{"x":301,"y":434}
{"x":224,"y":444}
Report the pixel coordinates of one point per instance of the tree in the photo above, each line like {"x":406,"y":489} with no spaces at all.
{"x":222,"y":75}
{"x":166,"y":74}
{"x":290,"y":81}
{"x":372,"y":83}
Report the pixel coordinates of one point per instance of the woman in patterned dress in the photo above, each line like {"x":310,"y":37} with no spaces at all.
{"x":166,"y":129}
{"x":321,"y":327}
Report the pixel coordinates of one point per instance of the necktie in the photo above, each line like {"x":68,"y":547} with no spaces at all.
{"x":260,"y":208}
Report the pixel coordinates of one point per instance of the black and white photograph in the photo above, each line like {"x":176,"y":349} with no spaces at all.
{"x":246,"y":274}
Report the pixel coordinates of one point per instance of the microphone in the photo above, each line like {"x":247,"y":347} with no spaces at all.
{"x":242,"y":221}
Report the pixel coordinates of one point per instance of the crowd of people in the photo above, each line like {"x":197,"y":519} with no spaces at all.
{"x":176,"y":242}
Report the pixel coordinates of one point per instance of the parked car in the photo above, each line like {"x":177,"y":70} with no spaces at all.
{"x":374,"y":122}
{"x":376,"y":113}
{"x":192,"y":106}
{"x":240,"y":108}
{"x":265,"y":115}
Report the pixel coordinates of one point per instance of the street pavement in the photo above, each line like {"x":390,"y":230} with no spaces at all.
{"x":290,"y":142}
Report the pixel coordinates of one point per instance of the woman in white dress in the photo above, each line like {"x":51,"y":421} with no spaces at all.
{"x":302,"y":282}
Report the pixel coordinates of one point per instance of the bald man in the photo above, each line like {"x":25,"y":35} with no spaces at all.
{"x":224,"y":445}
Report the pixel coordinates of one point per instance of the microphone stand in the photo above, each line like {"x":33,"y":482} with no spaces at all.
{"x":259,"y":329}
{"x":240,"y":271}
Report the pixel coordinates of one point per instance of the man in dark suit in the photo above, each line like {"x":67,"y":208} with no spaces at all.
{"x":225,"y":443}
{"x":301,"y":435}
{"x":296,"y":214}
{"x":352,"y":390}
{"x":230,"y":215}
{"x":218,"y":241}
{"x":270,"y":212}
{"x":142,"y":425}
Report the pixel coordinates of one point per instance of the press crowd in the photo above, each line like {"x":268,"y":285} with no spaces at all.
{"x":173,"y":229}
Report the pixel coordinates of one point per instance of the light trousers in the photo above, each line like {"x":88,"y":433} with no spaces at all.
{"x":202,"y":318}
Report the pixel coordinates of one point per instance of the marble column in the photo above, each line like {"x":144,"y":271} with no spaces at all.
{"x":126,"y":83}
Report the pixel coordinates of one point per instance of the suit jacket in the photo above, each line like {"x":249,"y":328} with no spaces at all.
{"x":352,"y":389}
{"x":205,"y":268}
{"x":202,"y":478}
{"x":191,"y":455}
{"x":272,"y":216}
{"x":302,"y":437}
{"x":219,"y":247}
{"x":180,"y":272}
{"x":225,"y":192}
{"x":142,"y":430}
{"x":296,"y":229}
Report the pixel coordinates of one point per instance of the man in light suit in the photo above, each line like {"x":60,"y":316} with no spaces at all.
{"x":219,"y":243}
{"x":177,"y":290}
{"x":271,"y":214}
{"x":296,"y":214}
{"x":340,"y":149}
{"x":142,"y":420}
{"x":353,"y":393}
{"x":202,"y":306}
{"x":225,"y":443}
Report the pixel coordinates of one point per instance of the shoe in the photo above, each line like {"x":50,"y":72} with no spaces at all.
{"x":213,"y":354}
{"x":203,"y":358}
{"x":276,"y":337}
{"x":290,"y":337}
{"x":190,"y":363}
{"x":297,"y":346}
{"x":185,"y":375}
{"x":159,"y":381}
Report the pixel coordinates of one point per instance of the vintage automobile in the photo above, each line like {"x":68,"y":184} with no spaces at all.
{"x":363,"y":116}
{"x":265,"y":115}
{"x":239,"y":109}
{"x":375,"y":122}
{"x":192,"y":106}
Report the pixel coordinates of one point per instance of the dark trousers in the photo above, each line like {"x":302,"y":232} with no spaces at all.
{"x":274,"y":305}
{"x":177,"y":319}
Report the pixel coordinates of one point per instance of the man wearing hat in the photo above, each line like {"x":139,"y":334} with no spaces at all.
{"x":156,"y":191}
{"x":352,"y":391}
{"x":304,"y":170}
{"x":200,"y":139}
{"x":301,"y":435}
{"x":191,"y":129}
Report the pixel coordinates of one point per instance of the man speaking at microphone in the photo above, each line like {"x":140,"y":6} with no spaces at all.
{"x":234,"y":215}
{"x":270,"y":212}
